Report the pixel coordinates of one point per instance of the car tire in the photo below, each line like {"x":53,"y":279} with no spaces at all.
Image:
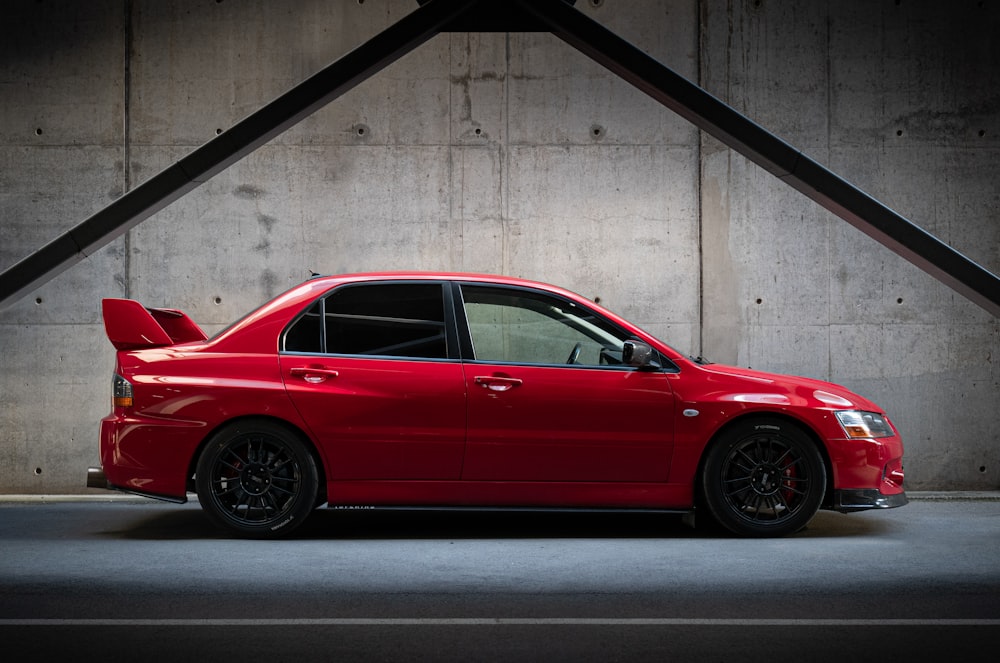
{"x":763,"y":477}
{"x":257,"y":479}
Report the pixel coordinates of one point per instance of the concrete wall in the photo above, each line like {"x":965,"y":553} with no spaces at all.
{"x":513,"y":153}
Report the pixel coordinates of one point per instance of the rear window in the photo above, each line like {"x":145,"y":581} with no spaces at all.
{"x":381,"y":319}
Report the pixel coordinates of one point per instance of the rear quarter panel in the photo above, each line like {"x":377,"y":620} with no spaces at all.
{"x":181,"y":397}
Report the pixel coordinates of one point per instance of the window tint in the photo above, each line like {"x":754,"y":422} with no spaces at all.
{"x":305,"y":334}
{"x":384,"y":319}
{"x":523,"y":327}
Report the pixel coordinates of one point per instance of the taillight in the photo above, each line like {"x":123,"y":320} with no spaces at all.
{"x":121,"y":392}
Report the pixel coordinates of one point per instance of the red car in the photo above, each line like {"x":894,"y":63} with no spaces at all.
{"x":461,"y":390}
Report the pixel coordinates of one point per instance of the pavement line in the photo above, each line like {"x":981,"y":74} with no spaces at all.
{"x":499,"y":621}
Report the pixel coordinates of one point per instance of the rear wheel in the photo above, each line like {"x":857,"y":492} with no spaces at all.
{"x":764,"y":477}
{"x":257,"y":479}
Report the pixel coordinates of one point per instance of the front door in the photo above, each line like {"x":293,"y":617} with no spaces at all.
{"x":549,"y":399}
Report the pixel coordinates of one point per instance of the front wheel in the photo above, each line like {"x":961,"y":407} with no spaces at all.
{"x":256,"y":479}
{"x":764,"y":477}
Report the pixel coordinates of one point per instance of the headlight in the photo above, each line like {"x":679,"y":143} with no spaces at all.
{"x":864,"y":424}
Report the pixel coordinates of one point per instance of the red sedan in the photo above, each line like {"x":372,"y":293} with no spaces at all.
{"x":460,"y":390}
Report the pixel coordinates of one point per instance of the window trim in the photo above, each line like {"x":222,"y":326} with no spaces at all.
{"x":468,"y":347}
{"x":458,"y":336}
{"x":451,"y":336}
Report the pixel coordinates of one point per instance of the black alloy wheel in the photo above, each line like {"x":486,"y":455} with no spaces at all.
{"x":764,"y":477}
{"x":257,"y":479}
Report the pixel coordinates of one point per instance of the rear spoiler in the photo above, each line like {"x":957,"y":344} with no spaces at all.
{"x":131,"y":326}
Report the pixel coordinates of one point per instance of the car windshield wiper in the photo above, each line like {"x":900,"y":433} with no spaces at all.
{"x":700,"y":360}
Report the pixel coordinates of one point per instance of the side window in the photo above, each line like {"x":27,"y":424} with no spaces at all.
{"x":305,"y":334}
{"x":523,"y":327}
{"x":379,"y":319}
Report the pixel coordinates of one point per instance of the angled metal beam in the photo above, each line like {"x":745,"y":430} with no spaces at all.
{"x":495,"y":16}
{"x":229,"y":147}
{"x":771,"y":153}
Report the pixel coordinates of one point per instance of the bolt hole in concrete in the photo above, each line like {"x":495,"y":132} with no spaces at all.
{"x":899,"y":132}
{"x":596,"y":4}
{"x":899,"y":300}
{"x":38,"y":300}
{"x":38,"y":471}
{"x":38,"y":131}
{"x":760,"y":301}
{"x":982,"y":132}
{"x":217,"y":300}
{"x":218,"y":132}
{"x":982,"y":469}
{"x":597,"y":131}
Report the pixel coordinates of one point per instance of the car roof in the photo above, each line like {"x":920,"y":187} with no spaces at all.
{"x":253,"y":329}
{"x":434,"y":276}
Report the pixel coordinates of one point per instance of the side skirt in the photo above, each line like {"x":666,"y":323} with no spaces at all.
{"x":507,"y":495}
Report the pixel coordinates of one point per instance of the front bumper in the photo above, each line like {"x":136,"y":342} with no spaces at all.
{"x":861,"y":499}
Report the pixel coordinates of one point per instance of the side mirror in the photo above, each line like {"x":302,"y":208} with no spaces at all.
{"x":638,"y":354}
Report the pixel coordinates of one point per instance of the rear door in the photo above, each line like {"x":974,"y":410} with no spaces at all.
{"x":549,"y":399}
{"x":372,"y":368}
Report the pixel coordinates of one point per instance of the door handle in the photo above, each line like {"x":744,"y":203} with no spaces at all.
{"x":494,"y":383}
{"x":313,"y":375}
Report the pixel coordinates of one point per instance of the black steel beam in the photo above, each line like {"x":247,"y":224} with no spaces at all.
{"x":771,"y":153}
{"x":495,"y":16}
{"x":227,"y":148}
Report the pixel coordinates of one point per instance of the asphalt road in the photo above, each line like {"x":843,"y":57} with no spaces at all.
{"x":147,"y":581}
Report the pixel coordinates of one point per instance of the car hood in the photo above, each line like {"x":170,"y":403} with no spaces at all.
{"x":751,"y":386}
